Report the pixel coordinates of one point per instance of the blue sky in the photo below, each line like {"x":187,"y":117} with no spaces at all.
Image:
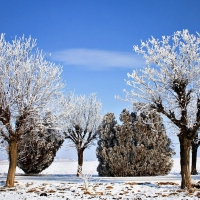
{"x":93,"y":39}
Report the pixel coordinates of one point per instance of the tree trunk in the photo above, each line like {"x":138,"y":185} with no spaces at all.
{"x":12,"y":164}
{"x":194,"y":158}
{"x":80,"y":162}
{"x":185,"y":145}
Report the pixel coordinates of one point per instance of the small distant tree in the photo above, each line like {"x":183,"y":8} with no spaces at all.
{"x":133,"y":148}
{"x":30,"y":87}
{"x":82,"y":124}
{"x":36,"y":150}
{"x":195,"y":146}
{"x":170,"y":84}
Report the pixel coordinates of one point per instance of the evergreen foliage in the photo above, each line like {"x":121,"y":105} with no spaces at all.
{"x":36,"y":150}
{"x":169,"y":84}
{"x":138,"y":147}
{"x":30,"y":86}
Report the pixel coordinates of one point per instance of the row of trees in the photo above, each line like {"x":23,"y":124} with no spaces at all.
{"x":35,"y":115}
{"x":170,"y":84}
{"x":36,"y":150}
{"x":31,"y":88}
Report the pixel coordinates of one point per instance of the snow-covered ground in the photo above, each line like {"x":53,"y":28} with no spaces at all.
{"x":60,"y":182}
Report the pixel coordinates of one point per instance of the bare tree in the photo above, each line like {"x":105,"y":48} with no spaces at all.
{"x":170,"y":85}
{"x":30,"y":87}
{"x":82,"y":124}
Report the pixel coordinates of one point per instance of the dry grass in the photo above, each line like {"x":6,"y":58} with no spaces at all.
{"x":174,"y":193}
{"x":167,"y":183}
{"x":196,"y":185}
{"x":192,"y":190}
{"x":131,"y":183}
{"x":198,"y":194}
{"x":62,"y":189}
{"x":51,"y":191}
{"x":109,"y":187}
{"x":99,"y":193}
{"x":35,"y":190}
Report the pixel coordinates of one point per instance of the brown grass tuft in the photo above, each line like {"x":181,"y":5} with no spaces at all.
{"x":51,"y":191}
{"x":192,"y":190}
{"x":35,"y":190}
{"x":87,"y":192}
{"x":131,"y":183}
{"x":109,"y":187}
{"x":198,"y":194}
{"x":99,"y":193}
{"x":173,"y":193}
{"x":167,"y":183}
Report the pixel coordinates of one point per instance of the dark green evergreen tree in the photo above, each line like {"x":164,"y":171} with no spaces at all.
{"x":106,"y":143}
{"x":137,"y":147}
{"x":36,"y":150}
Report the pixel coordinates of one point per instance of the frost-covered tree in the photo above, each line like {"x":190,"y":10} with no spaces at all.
{"x":82,"y":124}
{"x":134,"y":148}
{"x":30,"y":87}
{"x":153,"y":142}
{"x":170,"y":84}
{"x":36,"y":150}
{"x":107,"y":140}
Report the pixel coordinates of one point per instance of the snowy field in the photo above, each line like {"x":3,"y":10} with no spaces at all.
{"x":60,"y":182}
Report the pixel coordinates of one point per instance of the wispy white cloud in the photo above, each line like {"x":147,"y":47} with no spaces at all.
{"x":98,"y":59}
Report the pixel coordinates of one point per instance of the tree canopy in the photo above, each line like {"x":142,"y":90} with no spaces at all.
{"x":82,"y":123}
{"x":31,"y":87}
{"x":133,"y":148}
{"x":170,"y":84}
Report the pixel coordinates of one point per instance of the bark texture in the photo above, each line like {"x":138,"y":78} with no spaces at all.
{"x":185,"y":145}
{"x":12,"y":164}
{"x":80,"y":161}
{"x":194,"y":157}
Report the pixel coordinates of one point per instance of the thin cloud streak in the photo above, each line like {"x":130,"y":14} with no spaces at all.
{"x":98,"y":59}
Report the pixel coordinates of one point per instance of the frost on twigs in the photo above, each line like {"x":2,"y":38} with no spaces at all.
{"x":170,"y":81}
{"x":82,"y":123}
{"x":30,"y":87}
{"x":135,"y":148}
{"x":170,"y":84}
{"x":85,"y":177}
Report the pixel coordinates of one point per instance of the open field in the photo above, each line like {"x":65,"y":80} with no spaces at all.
{"x":60,"y":182}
